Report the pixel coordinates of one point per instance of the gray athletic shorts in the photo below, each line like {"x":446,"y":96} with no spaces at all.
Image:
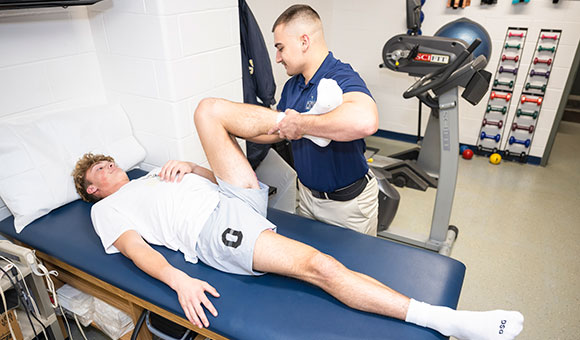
{"x":227,"y":239}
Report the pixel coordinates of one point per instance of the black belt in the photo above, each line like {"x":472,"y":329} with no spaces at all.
{"x":344,"y":194}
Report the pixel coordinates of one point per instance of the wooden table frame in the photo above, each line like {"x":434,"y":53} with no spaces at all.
{"x":116,"y":297}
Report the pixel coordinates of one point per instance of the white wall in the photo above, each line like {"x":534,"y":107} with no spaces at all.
{"x":47,"y":61}
{"x":356,"y":32}
{"x":157,"y":58}
{"x":160,"y":58}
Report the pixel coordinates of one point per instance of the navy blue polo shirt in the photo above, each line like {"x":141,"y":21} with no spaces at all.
{"x":340,"y":163}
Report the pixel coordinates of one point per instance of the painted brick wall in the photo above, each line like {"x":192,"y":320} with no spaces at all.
{"x":160,"y":58}
{"x":157,"y":58}
{"x":357,"y":31}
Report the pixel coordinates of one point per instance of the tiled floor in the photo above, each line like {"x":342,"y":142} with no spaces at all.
{"x":519,"y":235}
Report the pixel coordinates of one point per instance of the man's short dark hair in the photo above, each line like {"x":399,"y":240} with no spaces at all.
{"x":294,"y":12}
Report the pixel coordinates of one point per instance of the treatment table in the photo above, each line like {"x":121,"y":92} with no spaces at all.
{"x":265,"y":307}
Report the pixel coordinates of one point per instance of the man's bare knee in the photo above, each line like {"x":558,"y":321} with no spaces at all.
{"x":209,"y":108}
{"x":323,"y":268}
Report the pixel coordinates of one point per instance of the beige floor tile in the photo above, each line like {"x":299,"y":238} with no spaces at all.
{"x":519,"y":235}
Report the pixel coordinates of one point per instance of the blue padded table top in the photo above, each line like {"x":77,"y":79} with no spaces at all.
{"x":269,"y":306}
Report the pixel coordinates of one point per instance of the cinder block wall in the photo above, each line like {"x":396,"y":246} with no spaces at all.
{"x":156,"y":58}
{"x":159,"y":59}
{"x":357,"y":31}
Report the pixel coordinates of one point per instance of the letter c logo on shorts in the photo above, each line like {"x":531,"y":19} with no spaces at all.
{"x":232,"y":238}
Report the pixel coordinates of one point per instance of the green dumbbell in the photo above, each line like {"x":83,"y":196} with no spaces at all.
{"x":537,"y":87}
{"x":502,"y":109}
{"x":510,"y":84}
{"x":542,"y":48}
{"x":521,"y":112}
{"x":518,"y":46}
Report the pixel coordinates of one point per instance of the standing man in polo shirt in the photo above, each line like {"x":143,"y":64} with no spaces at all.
{"x":335,"y":184}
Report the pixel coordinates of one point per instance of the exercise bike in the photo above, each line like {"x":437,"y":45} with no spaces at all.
{"x":444,"y":64}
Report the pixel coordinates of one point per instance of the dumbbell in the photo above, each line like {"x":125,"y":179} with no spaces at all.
{"x":509,"y":84}
{"x":515,"y":127}
{"x":480,"y":149}
{"x":536,"y":73}
{"x":505,"y":69}
{"x":525,"y":143}
{"x":519,"y":35}
{"x":521,"y":112}
{"x":496,"y":137}
{"x":542,"y":61}
{"x":505,"y":57}
{"x":505,"y":97}
{"x":498,"y":123}
{"x":550,"y":49}
{"x":517,"y":47}
{"x":502,"y":109}
{"x":554,"y":37}
{"x":536,"y":87}
{"x":538,"y":100}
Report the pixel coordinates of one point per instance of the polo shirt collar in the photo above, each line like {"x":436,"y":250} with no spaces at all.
{"x":322,"y":69}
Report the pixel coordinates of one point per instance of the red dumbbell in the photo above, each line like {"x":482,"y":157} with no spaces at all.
{"x":542,"y":61}
{"x":506,"y":96}
{"x":538,"y":100}
{"x":554,"y":37}
{"x":505,"y":57}
{"x":529,"y":128}
{"x":510,"y":34}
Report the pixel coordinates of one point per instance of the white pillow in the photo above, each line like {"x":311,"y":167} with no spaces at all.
{"x":38,"y":152}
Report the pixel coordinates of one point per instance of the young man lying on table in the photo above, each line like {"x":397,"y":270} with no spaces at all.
{"x":219,"y":218}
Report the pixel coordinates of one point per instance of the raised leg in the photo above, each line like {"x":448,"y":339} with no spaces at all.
{"x":217,"y":122}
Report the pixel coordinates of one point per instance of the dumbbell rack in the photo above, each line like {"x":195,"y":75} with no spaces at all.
{"x":503,"y":85}
{"x":523,"y":126}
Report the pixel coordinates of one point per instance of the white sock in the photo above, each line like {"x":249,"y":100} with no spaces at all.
{"x":466,"y":325}
{"x":328,"y":98}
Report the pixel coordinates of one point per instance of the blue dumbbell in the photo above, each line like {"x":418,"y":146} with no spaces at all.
{"x":525,"y":143}
{"x":496,"y":137}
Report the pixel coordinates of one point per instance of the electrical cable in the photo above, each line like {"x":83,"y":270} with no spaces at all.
{"x":66,"y":321}
{"x":80,"y":326}
{"x":139,"y":324}
{"x":18,"y":289}
{"x":39,"y":270}
{"x":35,"y":311}
{"x":6,"y":306}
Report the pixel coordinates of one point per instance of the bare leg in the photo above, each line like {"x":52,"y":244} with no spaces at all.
{"x":277,"y":254}
{"x":217,"y":121}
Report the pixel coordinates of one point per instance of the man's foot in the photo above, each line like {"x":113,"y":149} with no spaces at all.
{"x":466,"y":325}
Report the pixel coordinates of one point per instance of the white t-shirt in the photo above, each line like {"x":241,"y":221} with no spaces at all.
{"x":163,"y":213}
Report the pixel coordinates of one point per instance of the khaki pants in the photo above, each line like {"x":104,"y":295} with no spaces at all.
{"x":359,"y":214}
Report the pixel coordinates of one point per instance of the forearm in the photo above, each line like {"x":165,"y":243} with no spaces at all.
{"x":155,"y":265}
{"x":203,"y":172}
{"x":347,"y":122}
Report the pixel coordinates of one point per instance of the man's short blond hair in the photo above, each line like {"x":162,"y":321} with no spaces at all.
{"x":295,"y":12}
{"x":84,"y":164}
